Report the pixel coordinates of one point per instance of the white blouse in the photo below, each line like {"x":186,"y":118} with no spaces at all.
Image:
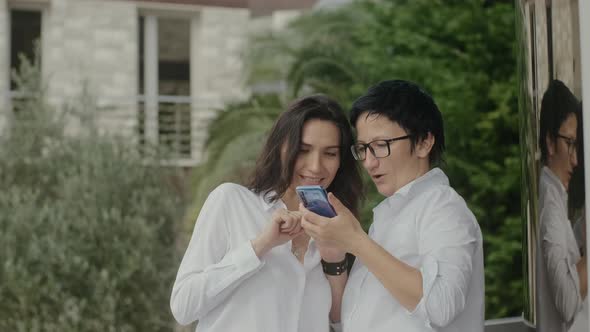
{"x":427,"y":225}
{"x":226,"y":287}
{"x":558,"y":286}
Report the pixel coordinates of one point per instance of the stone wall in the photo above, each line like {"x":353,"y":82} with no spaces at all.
{"x":563,"y":43}
{"x":218,"y":37}
{"x":90,"y":47}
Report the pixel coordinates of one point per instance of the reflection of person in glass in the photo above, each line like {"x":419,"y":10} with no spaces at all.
{"x":561,"y":270}
{"x":576,"y":192}
{"x":576,"y":200}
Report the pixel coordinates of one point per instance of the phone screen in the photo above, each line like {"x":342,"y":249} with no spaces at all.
{"x":315,"y":199}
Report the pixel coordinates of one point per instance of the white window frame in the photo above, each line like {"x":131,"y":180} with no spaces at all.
{"x":151,"y":97}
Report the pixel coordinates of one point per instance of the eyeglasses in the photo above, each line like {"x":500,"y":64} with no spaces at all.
{"x":572,"y":144}
{"x":379,"y":148}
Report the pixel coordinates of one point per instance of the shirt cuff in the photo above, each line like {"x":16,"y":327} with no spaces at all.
{"x":429,"y":271}
{"x":247,"y":258}
{"x":336,"y":327}
{"x":242,"y":261}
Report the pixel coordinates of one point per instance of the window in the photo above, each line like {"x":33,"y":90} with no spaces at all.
{"x":164,"y":85}
{"x":25,"y":33}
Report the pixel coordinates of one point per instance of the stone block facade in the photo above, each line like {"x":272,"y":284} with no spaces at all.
{"x":91,"y":48}
{"x":218,"y":36}
{"x":565,"y":50}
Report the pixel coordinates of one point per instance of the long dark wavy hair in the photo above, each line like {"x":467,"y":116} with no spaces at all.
{"x":272,"y":174}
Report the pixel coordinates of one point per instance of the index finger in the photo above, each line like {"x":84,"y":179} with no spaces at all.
{"x":302,"y":208}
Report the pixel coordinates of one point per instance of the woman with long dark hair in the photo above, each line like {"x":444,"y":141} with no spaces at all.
{"x":249,"y":265}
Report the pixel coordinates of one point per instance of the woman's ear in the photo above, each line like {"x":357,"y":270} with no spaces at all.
{"x":424,"y":147}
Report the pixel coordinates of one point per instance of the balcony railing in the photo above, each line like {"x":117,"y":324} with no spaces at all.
{"x":179,"y":124}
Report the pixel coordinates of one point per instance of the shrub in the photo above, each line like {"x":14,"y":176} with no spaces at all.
{"x":86,"y":226}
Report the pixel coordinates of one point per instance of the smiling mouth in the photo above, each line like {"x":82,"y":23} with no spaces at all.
{"x":311,"y":179}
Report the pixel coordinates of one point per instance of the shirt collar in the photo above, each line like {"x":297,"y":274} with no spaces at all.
{"x":419,"y":185}
{"x":554,"y":180}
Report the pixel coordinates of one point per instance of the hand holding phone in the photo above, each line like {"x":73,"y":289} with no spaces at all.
{"x":315,"y":199}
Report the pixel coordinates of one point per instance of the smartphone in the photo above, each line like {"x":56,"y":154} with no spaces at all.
{"x":315,"y":199}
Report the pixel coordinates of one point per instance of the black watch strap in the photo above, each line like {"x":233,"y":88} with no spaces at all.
{"x":335,"y":269}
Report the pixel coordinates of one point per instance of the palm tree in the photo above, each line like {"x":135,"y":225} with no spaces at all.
{"x":313,"y":54}
{"x":235,"y":139}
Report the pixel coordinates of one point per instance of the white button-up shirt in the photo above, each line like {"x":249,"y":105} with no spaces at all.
{"x":580,"y":323}
{"x":427,"y":225}
{"x":558,"y":285}
{"x":226,"y":287}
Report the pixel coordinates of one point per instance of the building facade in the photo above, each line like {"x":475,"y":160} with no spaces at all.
{"x":156,"y":70}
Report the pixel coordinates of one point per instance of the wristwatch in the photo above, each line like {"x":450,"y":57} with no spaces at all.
{"x":335,"y":269}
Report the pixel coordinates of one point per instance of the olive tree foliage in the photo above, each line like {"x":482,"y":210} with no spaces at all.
{"x":86,"y":225}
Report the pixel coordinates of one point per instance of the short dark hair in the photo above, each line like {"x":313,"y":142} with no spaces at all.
{"x":408,"y":105}
{"x":271,"y":174}
{"x":557,"y":104}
